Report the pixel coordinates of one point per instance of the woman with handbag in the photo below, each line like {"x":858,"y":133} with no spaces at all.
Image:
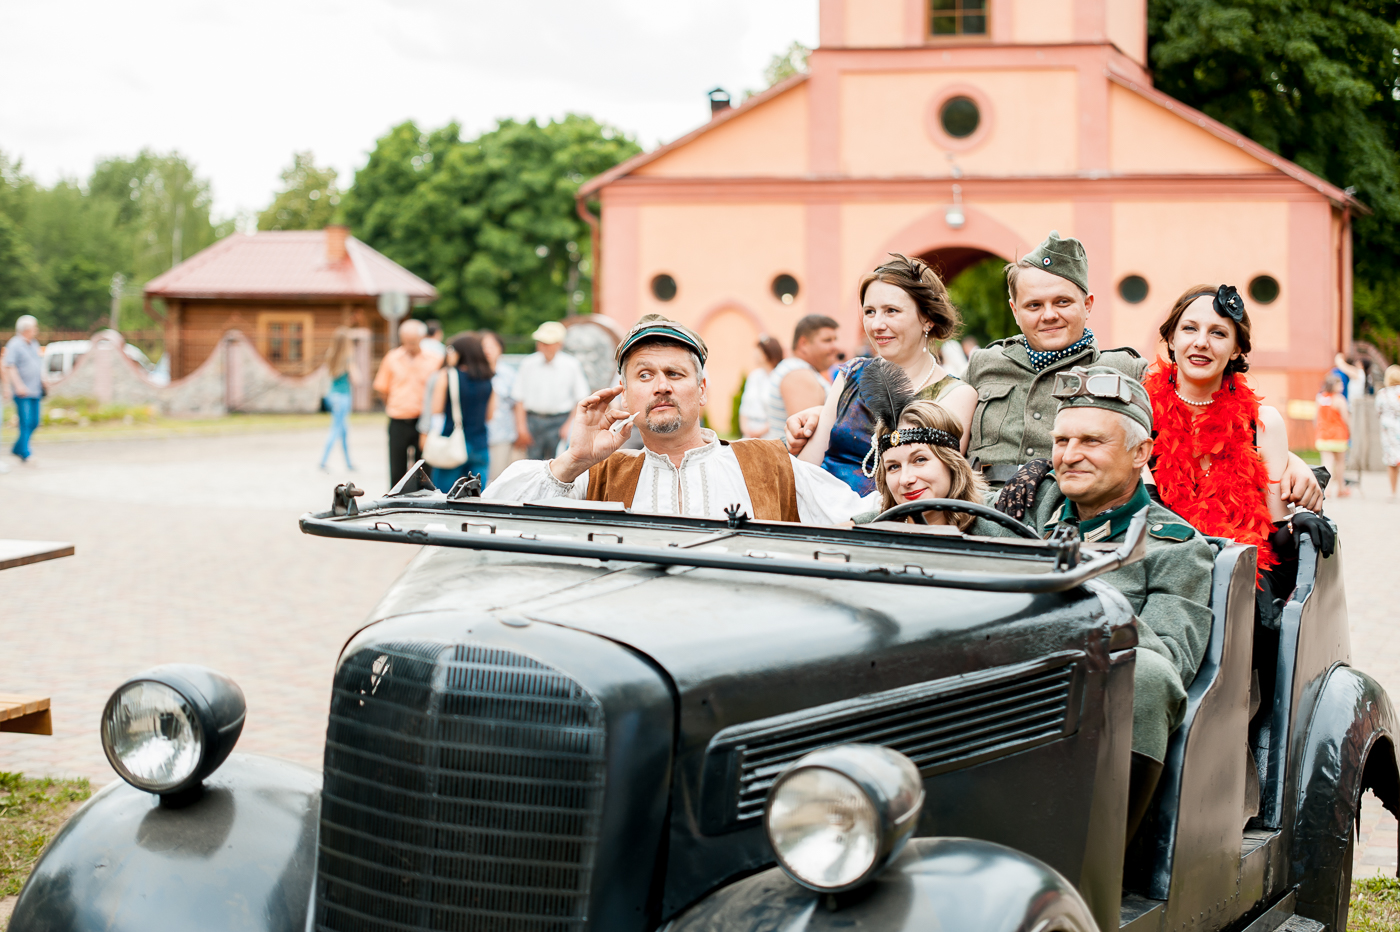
{"x":462,"y":403}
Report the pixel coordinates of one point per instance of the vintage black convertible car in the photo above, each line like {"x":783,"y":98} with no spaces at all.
{"x":566,"y":718}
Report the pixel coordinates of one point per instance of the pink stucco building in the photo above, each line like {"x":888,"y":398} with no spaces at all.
{"x":958,"y":129}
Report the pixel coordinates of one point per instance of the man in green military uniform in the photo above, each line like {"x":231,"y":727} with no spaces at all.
{"x":1101,"y":442}
{"x":1051,"y":301}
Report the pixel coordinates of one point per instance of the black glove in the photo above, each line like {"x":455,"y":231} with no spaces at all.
{"x":1318,"y":528}
{"x":1018,"y":495}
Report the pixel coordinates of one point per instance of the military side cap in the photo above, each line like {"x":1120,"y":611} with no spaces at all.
{"x":1063,"y":257}
{"x":1103,"y":387}
{"x":656,"y":327}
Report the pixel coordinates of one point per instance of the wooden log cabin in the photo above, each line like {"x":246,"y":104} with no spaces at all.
{"x":287,"y":291}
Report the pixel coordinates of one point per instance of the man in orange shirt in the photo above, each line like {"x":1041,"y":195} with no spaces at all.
{"x":401,"y":380}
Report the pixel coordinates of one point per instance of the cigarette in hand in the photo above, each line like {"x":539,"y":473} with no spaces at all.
{"x":617,"y":425}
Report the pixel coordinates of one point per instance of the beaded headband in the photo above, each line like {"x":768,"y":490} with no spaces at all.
{"x":929,"y":435}
{"x":904,"y":436}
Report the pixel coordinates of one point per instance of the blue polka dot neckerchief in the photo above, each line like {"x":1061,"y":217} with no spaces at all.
{"x":1039,"y":360}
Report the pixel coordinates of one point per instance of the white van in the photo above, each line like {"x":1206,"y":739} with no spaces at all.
{"x":61,"y":356}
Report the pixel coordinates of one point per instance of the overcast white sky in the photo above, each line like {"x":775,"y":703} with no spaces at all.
{"x":239,"y":85}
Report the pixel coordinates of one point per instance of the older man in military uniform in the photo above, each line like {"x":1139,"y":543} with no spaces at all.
{"x":1101,"y":442}
{"x":1051,"y":301}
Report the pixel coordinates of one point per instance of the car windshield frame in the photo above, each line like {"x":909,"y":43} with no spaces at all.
{"x":601,"y":531}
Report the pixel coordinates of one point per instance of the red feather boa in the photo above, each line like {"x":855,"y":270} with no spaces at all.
{"x":1231,"y":498}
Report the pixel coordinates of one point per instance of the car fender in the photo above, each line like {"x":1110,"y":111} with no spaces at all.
{"x":240,"y":857}
{"x":935,"y":883}
{"x":1349,"y":747}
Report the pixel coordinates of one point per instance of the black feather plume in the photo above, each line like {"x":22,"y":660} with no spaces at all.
{"x":885,"y":390}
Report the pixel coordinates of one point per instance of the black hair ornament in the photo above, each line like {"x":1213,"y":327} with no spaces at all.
{"x":1227,"y":303}
{"x":886,"y":391}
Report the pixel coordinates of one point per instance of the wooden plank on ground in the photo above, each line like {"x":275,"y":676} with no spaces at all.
{"x":28,"y":715}
{"x":23,"y":552}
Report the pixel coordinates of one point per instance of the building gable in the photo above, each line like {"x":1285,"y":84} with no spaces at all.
{"x":1147,"y":139}
{"x":765,"y":137}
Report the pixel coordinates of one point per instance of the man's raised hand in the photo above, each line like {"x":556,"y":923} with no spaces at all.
{"x":591,"y":439}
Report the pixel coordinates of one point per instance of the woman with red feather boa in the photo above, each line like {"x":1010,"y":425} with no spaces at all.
{"x":1219,"y":453}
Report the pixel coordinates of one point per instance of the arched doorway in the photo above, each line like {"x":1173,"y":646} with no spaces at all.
{"x":977,"y":284}
{"x":731,"y":333}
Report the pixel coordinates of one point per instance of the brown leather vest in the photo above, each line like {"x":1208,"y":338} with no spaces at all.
{"x":766,"y":466}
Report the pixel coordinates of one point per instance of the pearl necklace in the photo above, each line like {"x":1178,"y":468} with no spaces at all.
{"x":1194,"y":404}
{"x":932,"y":365}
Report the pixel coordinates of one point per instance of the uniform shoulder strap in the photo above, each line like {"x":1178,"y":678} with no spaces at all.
{"x":767,"y":471}
{"x":615,"y":478}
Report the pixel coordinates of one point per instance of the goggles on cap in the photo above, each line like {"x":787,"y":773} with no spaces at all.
{"x":1100,"y":385}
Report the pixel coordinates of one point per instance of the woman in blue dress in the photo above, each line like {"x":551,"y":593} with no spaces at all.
{"x":473,"y":373}
{"x":339,"y":399}
{"x":904,"y":308}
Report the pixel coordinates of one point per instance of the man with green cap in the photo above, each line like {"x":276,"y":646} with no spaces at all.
{"x":1051,"y":301}
{"x":682,"y":468}
{"x":1101,"y":442}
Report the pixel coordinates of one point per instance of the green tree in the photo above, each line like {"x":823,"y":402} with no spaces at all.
{"x":1318,"y":82}
{"x":162,"y":209}
{"x":307,"y":200}
{"x":61,"y":245}
{"x":785,"y":65}
{"x":491,"y":222}
{"x":21,"y":291}
{"x":980,"y":294}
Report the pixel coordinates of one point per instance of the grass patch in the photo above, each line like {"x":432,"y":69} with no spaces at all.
{"x":1311,"y":457}
{"x":83,"y":412}
{"x":31,"y":812}
{"x":1375,"y":905}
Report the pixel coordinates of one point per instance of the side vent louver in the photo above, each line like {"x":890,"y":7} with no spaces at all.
{"x":941,"y":726}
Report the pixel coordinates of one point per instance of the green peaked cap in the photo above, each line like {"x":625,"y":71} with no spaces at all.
{"x":1139,"y":408}
{"x":660,"y":328}
{"x":1063,"y":257}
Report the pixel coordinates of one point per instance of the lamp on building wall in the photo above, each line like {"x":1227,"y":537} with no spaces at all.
{"x":954,"y":216}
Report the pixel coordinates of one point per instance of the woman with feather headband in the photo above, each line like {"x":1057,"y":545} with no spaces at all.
{"x":1218,"y":450}
{"x":904,"y":307}
{"x":915,"y":448}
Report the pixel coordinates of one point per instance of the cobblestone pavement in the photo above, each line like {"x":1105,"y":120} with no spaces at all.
{"x":188,"y":549}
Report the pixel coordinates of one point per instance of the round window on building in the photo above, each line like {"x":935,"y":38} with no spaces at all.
{"x":1264,"y":289}
{"x":663,"y":287}
{"x":959,"y":117}
{"x":785,"y":288}
{"x":1133,"y":289}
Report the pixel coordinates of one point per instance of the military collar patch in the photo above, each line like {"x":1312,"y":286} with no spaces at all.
{"x":1110,"y":524}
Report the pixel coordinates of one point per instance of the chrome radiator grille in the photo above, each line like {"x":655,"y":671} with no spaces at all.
{"x":937,"y":729}
{"x":463,"y":791}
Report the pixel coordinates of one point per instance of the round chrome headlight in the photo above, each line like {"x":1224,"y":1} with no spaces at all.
{"x":167,"y":729}
{"x":836,"y":817}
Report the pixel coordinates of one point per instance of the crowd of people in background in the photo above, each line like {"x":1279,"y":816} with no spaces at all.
{"x":454,"y":406}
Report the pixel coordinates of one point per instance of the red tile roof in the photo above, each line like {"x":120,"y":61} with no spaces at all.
{"x":286,"y":263}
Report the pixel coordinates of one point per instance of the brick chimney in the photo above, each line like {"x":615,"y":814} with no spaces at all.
{"x":720,"y":101}
{"x":335,"y":244}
